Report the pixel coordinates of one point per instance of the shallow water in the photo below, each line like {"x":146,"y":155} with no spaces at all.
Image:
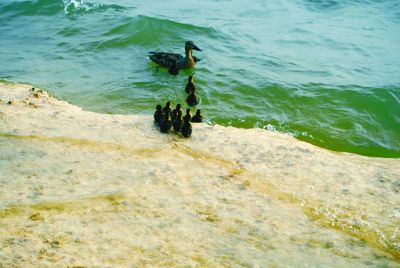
{"x":325,"y":71}
{"x":86,"y":189}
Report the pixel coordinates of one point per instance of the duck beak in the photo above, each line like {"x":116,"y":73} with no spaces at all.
{"x":196,"y":48}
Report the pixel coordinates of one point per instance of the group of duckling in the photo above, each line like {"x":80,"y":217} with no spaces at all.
{"x":164,"y":117}
{"x":168,"y":119}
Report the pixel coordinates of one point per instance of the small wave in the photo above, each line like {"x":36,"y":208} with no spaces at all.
{"x":148,"y":31}
{"x":322,"y":5}
{"x":80,"y":6}
{"x":30,"y":8}
{"x":350,"y":118}
{"x":332,"y":5}
{"x":51,"y":7}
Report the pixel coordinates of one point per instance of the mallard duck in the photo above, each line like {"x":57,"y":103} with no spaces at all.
{"x":166,"y":124}
{"x":190,"y":86}
{"x":192,"y":98}
{"x":167,"y":109}
{"x":158,"y":115}
{"x":173,"y":69}
{"x":175,"y":112}
{"x":188,"y":115}
{"x":177,"y":123}
{"x":197,"y":118}
{"x":186,"y":129}
{"x":174,"y":62}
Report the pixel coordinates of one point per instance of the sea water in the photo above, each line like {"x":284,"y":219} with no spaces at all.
{"x":326,"y":71}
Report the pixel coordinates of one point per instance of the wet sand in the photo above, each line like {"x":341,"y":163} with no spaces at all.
{"x":79,"y":188}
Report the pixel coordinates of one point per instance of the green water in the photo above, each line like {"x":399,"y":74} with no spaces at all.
{"x":328,"y":72}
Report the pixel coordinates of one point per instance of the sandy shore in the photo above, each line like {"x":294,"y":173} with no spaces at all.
{"x":79,"y":188}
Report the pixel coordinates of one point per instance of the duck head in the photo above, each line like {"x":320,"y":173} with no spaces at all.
{"x":189,"y":45}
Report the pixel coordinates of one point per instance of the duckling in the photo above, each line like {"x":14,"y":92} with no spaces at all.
{"x":173,"y":69}
{"x":190,"y":86}
{"x":175,"y":112}
{"x":158,"y":115}
{"x":198,"y":117}
{"x":192,"y":98}
{"x":186,"y":129}
{"x":188,"y":115}
{"x":177,"y":123}
{"x":166,"y":124}
{"x":167,"y":108}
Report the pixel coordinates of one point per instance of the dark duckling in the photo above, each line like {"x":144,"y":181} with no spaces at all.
{"x":158,"y":115}
{"x":188,"y":115}
{"x":175,"y":112}
{"x":177,"y":123}
{"x":198,"y":117}
{"x":186,"y":127}
{"x":192,"y":99}
{"x":190,"y":86}
{"x":167,"y":108}
{"x":166,"y":124}
{"x":173,"y":69}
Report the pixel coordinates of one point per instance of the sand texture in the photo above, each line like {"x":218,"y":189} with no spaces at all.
{"x":79,"y":188}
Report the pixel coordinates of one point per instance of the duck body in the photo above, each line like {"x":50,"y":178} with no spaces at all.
{"x":168,"y":60}
{"x":192,"y":99}
{"x":158,"y":115}
{"x":186,"y":129}
{"x":175,"y":112}
{"x":166,"y":124}
{"x":197,"y":118}
{"x":177,"y":123}
{"x":187,"y":116}
{"x":173,"y":61}
{"x":167,"y":109}
{"x":190,"y":86}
